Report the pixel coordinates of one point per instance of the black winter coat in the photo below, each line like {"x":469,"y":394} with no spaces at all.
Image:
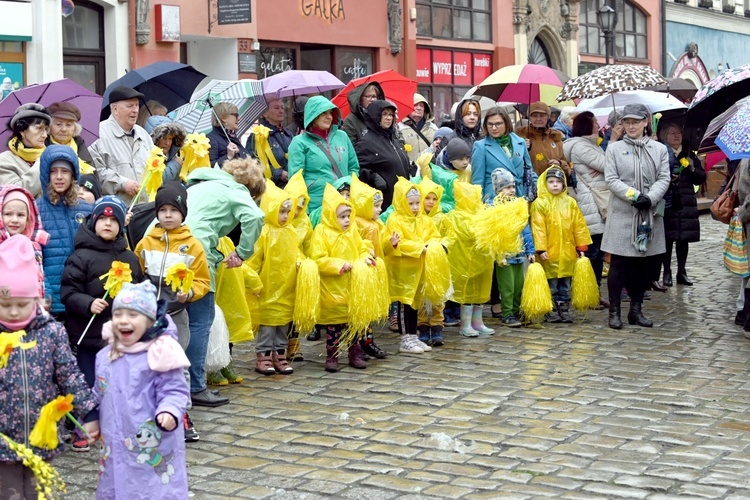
{"x":681,"y":219}
{"x":380,"y":153}
{"x":218,"y":151}
{"x":80,"y":285}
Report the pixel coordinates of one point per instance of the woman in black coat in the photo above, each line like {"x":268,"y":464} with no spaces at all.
{"x":382,"y":158}
{"x":225,"y":145}
{"x":681,"y":224}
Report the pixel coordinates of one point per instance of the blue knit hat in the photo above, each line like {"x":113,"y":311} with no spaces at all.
{"x":110,"y":206}
{"x":140,"y":297}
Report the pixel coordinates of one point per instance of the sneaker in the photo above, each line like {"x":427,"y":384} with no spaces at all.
{"x":451,"y":320}
{"x":80,"y":445}
{"x":216,"y":378}
{"x":425,"y":347}
{"x":409,"y":345}
{"x":511,"y":321}
{"x":374,"y":350}
{"x":191,"y":435}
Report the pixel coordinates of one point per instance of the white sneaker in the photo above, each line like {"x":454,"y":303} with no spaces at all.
{"x":409,"y":344}
{"x":421,"y":344}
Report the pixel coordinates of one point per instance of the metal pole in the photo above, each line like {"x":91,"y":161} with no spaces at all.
{"x":607,"y":40}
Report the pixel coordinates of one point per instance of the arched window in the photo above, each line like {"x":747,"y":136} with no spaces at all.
{"x":538,"y":54}
{"x":630,"y":33}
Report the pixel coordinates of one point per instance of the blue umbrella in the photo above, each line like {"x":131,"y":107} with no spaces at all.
{"x":170,"y":83}
{"x":734,"y":138}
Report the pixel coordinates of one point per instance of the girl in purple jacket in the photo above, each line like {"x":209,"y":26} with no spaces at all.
{"x":143,"y":395}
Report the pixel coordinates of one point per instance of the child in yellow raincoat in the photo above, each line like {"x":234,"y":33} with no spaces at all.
{"x":275,"y":259}
{"x":336,"y":244}
{"x":297,"y":189}
{"x":408,"y":231}
{"x":471,"y":269}
{"x":368,"y":205}
{"x":560,"y":237}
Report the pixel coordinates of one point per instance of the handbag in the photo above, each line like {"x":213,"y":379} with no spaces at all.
{"x":735,"y":249}
{"x":601,"y":197}
{"x":722,"y":209}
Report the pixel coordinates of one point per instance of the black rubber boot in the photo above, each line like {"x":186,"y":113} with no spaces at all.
{"x":636,"y":317}
{"x":614,"y":316}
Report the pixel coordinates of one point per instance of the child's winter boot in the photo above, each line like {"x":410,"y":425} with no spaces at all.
{"x":264,"y":363}
{"x":232,"y":376}
{"x":216,"y":378}
{"x":356,"y":359}
{"x":293,"y":352}
{"x":280,"y":364}
{"x":563,"y":309}
{"x":424,"y":333}
{"x":370,"y":347}
{"x":436,"y":336}
{"x":477,"y":323}
{"x":465,"y":328}
{"x":332,"y":355}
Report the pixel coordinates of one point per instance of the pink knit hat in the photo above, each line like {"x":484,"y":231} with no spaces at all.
{"x":18,"y":268}
{"x":16,"y":195}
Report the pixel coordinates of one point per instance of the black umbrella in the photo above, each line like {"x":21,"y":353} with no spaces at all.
{"x":678,"y":87}
{"x":170,"y":83}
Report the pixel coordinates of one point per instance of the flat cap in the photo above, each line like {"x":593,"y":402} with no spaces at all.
{"x":123,"y":93}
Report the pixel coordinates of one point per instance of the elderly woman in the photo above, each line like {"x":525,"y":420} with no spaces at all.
{"x":65,"y":129}
{"x":681,"y":224}
{"x":637,"y":172}
{"x":359,"y":99}
{"x":170,"y":137}
{"x":418,"y":129}
{"x":544,"y":143}
{"x":564,"y":122}
{"x":323,"y":152}
{"x":225,"y":145}
{"x":19,"y":166}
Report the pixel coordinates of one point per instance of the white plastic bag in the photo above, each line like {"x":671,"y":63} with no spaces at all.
{"x":218,"y":356}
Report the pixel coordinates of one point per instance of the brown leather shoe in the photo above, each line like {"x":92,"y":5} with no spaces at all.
{"x":280,"y":364}
{"x":264,"y":364}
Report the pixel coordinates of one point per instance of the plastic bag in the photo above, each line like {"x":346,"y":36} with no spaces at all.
{"x":218,"y":356}
{"x":735,"y":249}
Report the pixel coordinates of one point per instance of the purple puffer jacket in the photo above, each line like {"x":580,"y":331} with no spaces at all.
{"x":140,"y":460}
{"x":34,"y":377}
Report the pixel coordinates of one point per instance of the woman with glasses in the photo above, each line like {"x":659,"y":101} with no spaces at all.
{"x":359,"y":99}
{"x":225,"y":145}
{"x":19,"y":166}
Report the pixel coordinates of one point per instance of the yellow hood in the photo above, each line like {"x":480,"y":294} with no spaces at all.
{"x":468,"y":197}
{"x":400,"y":203}
{"x":332,"y":200}
{"x":426,"y":187}
{"x":297,"y":189}
{"x":272,"y":201}
{"x":363,"y":198}
{"x":541,"y":185}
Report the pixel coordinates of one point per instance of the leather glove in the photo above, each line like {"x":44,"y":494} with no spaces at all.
{"x":643,"y":202}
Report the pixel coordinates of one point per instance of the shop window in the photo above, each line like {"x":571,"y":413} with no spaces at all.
{"x":272,"y":60}
{"x":351,"y":64}
{"x":630,"y":33}
{"x":454,"y":19}
{"x":83,"y":46}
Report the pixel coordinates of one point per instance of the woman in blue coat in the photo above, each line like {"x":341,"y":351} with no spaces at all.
{"x":501,"y":148}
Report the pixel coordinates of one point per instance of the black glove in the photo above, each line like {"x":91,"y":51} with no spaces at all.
{"x":643,"y":202}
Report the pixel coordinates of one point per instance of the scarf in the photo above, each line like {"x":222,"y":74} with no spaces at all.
{"x":504,"y":143}
{"x":29,"y":155}
{"x":645,"y":176}
{"x":320,"y":132}
{"x":14,"y":326}
{"x":163,"y":352}
{"x":83,"y":167}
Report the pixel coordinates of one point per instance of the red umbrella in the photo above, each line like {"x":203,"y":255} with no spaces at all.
{"x":397,"y":88}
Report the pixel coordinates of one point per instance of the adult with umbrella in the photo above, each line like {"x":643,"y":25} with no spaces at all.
{"x":123,"y":147}
{"x":637,"y":173}
{"x":65,"y":129}
{"x":19,"y":166}
{"x":418,"y":129}
{"x":225,"y":145}
{"x":269,"y":142}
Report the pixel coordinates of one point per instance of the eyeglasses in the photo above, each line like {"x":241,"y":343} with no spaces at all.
{"x":495,"y":124}
{"x":236,"y":115}
{"x":370,"y":97}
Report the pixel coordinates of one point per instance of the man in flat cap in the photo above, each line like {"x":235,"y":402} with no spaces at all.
{"x":121,"y":151}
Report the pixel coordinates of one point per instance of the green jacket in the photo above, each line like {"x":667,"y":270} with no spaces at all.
{"x":305,"y":155}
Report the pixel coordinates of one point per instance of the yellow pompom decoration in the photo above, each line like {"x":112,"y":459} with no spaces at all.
{"x":44,"y":433}
{"x":536,"y":299}
{"x":498,"y":228}
{"x":48,"y":481}
{"x":153,"y":173}
{"x":437,"y":275}
{"x":382,"y":296}
{"x":263,"y":149}
{"x":584,"y":290}
{"x":195,"y":151}
{"x":9,"y":341}
{"x":365,"y":301}
{"x":179,"y":277}
{"x":307,"y":296}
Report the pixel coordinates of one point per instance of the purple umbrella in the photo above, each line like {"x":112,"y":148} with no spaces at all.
{"x":88,"y":102}
{"x":299,"y":82}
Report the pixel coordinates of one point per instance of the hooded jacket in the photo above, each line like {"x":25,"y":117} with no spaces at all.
{"x":371,"y":230}
{"x":338,"y":184}
{"x":444,"y":226}
{"x":33,"y":378}
{"x":445,"y":179}
{"x":380,"y":152}
{"x":331,"y":248}
{"x":81,"y":283}
{"x":305,"y":155}
{"x":471,"y":270}
{"x":60,"y":221}
{"x":408,"y":128}
{"x":405,"y":263}
{"x":588,"y":162}
{"x":469,"y":135}
{"x":275,"y":259}
{"x":354,"y":124}
{"x":172,"y":167}
{"x":82,"y":151}
{"x":297,"y":189}
{"x":488,"y":155}
{"x":547,"y":143}
{"x":559,"y":229}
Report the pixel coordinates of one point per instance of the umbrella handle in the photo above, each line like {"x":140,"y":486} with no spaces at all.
{"x":210,"y":105}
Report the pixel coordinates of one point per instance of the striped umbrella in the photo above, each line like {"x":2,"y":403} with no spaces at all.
{"x":524,"y":83}
{"x":247,"y":95}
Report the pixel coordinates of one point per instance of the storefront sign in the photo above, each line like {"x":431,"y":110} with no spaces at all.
{"x":424,"y":61}
{"x":234,"y":11}
{"x":275,"y":60}
{"x":353,"y":65}
{"x":482,"y":67}
{"x":687,"y":64}
{"x":442,"y":66}
{"x":11,"y":78}
{"x":452,"y":67}
{"x":328,"y":10}
{"x":462,"y":68}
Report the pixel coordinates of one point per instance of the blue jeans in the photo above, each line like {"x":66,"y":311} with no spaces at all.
{"x":201,"y":314}
{"x":560,"y":288}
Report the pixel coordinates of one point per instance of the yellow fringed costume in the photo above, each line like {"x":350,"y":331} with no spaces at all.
{"x":471,"y":268}
{"x":536,"y":299}
{"x":297,"y":189}
{"x":371,"y":229}
{"x":307,"y":302}
{"x":331,"y":248}
{"x":230,"y":295}
{"x":584,"y":290}
{"x":498,"y":228}
{"x":195,"y":154}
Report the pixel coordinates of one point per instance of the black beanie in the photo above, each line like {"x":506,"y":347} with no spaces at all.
{"x":172,"y":193}
{"x":90,"y":182}
{"x":456,"y":149}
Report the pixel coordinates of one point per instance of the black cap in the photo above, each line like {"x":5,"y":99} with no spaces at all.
{"x":123,"y":93}
{"x":91,"y":182}
{"x":172,"y":193}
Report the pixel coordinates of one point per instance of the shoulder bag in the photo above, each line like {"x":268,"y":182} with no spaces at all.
{"x":723,"y":207}
{"x":327,"y":152}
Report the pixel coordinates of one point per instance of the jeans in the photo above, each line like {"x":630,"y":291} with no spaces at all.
{"x":201,"y":314}
{"x":560,"y":288}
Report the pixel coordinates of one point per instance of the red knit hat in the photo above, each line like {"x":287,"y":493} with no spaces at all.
{"x":18,"y":268}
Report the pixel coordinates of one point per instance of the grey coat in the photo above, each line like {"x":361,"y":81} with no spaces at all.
{"x":619,"y":172}
{"x":588,"y":162}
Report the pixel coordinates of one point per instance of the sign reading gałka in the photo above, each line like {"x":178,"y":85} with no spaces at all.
{"x":234,"y":11}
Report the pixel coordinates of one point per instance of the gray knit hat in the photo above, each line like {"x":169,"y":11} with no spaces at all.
{"x":502,"y":178}
{"x":31,"y":110}
{"x":456,"y":149}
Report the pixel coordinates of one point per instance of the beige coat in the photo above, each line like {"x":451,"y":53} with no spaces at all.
{"x":16,"y":172}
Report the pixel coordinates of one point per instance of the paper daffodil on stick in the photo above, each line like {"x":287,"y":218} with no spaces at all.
{"x":44,"y":433}
{"x":152,"y":175}
{"x":179,"y":277}
{"x":48,"y":481}
{"x":195,"y":150}
{"x":9,"y":341}
{"x":118,"y":274}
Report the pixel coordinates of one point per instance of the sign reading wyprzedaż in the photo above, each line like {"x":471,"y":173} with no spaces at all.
{"x":234,"y":11}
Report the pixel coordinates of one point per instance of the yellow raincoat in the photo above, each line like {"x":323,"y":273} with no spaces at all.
{"x":230,"y":296}
{"x":297,"y":189}
{"x":253,"y":287}
{"x":405,"y":263}
{"x":558,"y":227}
{"x":275,"y":259}
{"x":331,"y":248}
{"x":471,"y":269}
{"x":448,"y":236}
{"x":371,"y":230}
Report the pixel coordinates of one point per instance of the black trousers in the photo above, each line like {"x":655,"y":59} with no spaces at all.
{"x":411,"y":316}
{"x":631,"y":273}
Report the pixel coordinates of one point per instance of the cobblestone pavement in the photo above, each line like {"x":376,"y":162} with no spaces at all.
{"x":567,"y":411}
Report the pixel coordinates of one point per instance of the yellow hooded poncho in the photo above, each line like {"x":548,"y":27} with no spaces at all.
{"x":275,"y":259}
{"x":448,"y":236}
{"x":230,"y":296}
{"x":558,"y":227}
{"x":405,"y":263}
{"x":297,"y":189}
{"x":362,"y":197}
{"x":331,"y":248}
{"x":471,"y":269}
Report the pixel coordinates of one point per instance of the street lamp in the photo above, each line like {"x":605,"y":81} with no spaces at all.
{"x":606,"y":18}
